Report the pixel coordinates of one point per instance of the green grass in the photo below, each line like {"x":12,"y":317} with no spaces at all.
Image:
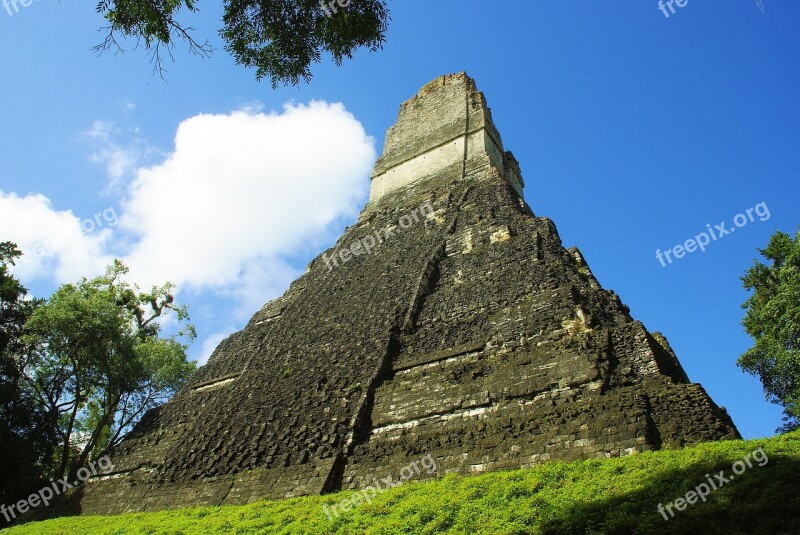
{"x":594,"y":496}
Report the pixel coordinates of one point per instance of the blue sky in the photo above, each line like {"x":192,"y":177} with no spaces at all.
{"x":633,"y":130}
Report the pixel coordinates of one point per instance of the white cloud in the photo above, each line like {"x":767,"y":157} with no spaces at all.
{"x":120,"y":158}
{"x":226,"y":213}
{"x":101,"y":131}
{"x":241,"y":193}
{"x":253,"y":107}
{"x":56,"y":243}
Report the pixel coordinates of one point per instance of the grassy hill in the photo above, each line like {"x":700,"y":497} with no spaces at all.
{"x":619,"y":495}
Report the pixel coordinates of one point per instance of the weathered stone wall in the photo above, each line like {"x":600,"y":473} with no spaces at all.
{"x":470,"y":334}
{"x":518,"y":356}
{"x":441,"y":132}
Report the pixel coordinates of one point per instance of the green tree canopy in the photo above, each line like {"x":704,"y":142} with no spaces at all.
{"x":26,"y":429}
{"x":100,"y":363}
{"x":773,"y":320}
{"x":13,"y":307}
{"x":278,"y":38}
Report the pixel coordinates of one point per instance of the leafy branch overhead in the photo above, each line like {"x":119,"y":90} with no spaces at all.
{"x":278,"y":38}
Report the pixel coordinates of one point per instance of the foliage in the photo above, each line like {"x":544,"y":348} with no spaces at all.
{"x":12,"y":298}
{"x":26,"y":431}
{"x":773,"y":320}
{"x":99,"y":363}
{"x":618,"y":495}
{"x":279,"y":38}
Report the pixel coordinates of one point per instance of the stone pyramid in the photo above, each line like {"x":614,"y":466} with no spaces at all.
{"x":448,"y":321}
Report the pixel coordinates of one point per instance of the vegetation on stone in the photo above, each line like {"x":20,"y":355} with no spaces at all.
{"x":618,"y":495}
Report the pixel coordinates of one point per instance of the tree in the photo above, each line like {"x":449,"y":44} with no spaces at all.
{"x":773,"y":320}
{"x":26,"y":431}
{"x":100,"y":363}
{"x":279,"y":38}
